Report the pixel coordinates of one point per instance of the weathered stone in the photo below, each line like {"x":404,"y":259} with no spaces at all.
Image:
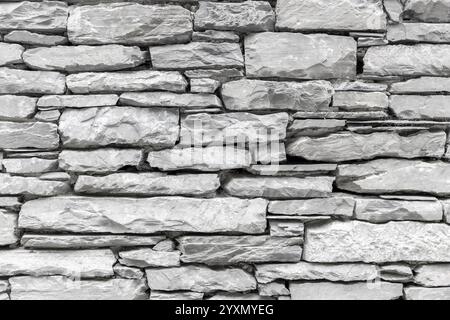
{"x":422,"y":85}
{"x":271,"y":95}
{"x":428,"y":10}
{"x":288,"y":170}
{"x":396,"y":273}
{"x":83,"y":263}
{"x":90,"y":82}
{"x":249,"y":16}
{"x":269,"y":153}
{"x":347,"y":291}
{"x":16,"y":185}
{"x":200,"y":279}
{"x":360,"y":101}
{"x":197,"y":55}
{"x":203,"y":159}
{"x":394,"y":176}
{"x":279,"y":187}
{"x":225,"y":250}
{"x":170,"y":100}
{"x":342,"y":115}
{"x":29,"y":165}
{"x":16,"y":107}
{"x":144,"y":258}
{"x":221,"y":75}
{"x":145,"y":216}
{"x":215,"y":36}
{"x":403,"y":60}
{"x":77,"y":101}
{"x":380,"y":210}
{"x":62,"y":288}
{"x":336,"y":206}
{"x":165,"y":245}
{"x":353,"y":241}
{"x":34,"y":39}
{"x":47,"y":115}
{"x":101,"y":160}
{"x":315,"y":127}
{"x":272,"y":289}
{"x":419,"y":32}
{"x":128,"y":272}
{"x":182,"y":295}
{"x":84,"y":58}
{"x":266,"y":273}
{"x":4,"y":286}
{"x":8,"y":225}
{"x":10,"y":203}
{"x":446,"y":205}
{"x":353,"y":146}
{"x":129,"y":126}
{"x":149,"y":184}
{"x":129,"y":23}
{"x":419,"y":293}
{"x":204,"y":85}
{"x":46,"y":241}
{"x":358,"y":85}
{"x":432,"y":275}
{"x":420,"y":107}
{"x":238,"y":296}
{"x":48,"y":16}
{"x":286,"y":228}
{"x":15,"y":81}
{"x":55,"y":176}
{"x":38,"y":135}
{"x":10,"y":53}
{"x":364,"y":42}
{"x":299,"y":56}
{"x":205,"y":129}
{"x":394,"y":9}
{"x":347,"y":15}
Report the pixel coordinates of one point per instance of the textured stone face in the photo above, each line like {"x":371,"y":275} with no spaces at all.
{"x":249,"y":16}
{"x":84,"y":58}
{"x":202,"y":55}
{"x":393,"y":176}
{"x":14,"y":81}
{"x":314,"y":127}
{"x":433,"y":275}
{"x":428,"y":10}
{"x":418,"y":293}
{"x":29,"y":165}
{"x":354,"y":241}
{"x":10,"y":53}
{"x":419,"y":32}
{"x":349,"y":15}
{"x":36,"y":39}
{"x":420,"y":107}
{"x":422,"y":85}
{"x":144,"y":258}
{"x":77,"y":101}
{"x":16,"y":185}
{"x":299,"y":56}
{"x":38,"y":135}
{"x":222,"y":250}
{"x":16,"y":107}
{"x":8,"y":225}
{"x":105,"y":215}
{"x":243,"y":95}
{"x":200,"y":279}
{"x":170,"y":100}
{"x":337,"y":206}
{"x":119,"y":126}
{"x":180,"y":295}
{"x":48,"y":16}
{"x":360,"y":101}
{"x":402,"y":60}
{"x":129,"y":23}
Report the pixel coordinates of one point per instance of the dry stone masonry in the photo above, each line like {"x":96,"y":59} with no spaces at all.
{"x":232,"y":149}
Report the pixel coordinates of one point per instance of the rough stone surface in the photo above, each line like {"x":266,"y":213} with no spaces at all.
{"x":10,"y":53}
{"x":29,"y":165}
{"x":360,"y":101}
{"x":170,"y":100}
{"x":427,"y":11}
{"x":420,"y":107}
{"x":433,"y":275}
{"x":315,"y":127}
{"x":181,"y":295}
{"x":77,"y":101}
{"x":16,"y":185}
{"x":8,"y":232}
{"x":144,"y":258}
{"x":422,"y":85}
{"x":419,"y":293}
{"x":336,"y":206}
{"x":419,"y":32}
{"x":215,"y":36}
{"x":15,"y":81}
{"x":34,"y":39}
{"x":16,"y":107}
{"x":37,"y":135}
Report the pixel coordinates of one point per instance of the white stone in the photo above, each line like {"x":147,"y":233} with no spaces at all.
{"x":8,"y":229}
{"x":10,"y":53}
{"x":170,"y":100}
{"x":29,"y":165}
{"x":335,"y":206}
{"x":77,"y":101}
{"x":17,"y":185}
{"x":144,"y":258}
{"x":432,"y":275}
{"x":15,"y":81}
{"x":419,"y":293}
{"x":16,"y":107}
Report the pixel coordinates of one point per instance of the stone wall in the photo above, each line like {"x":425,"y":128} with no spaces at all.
{"x":291,"y":149}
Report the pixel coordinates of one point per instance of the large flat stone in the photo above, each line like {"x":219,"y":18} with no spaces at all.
{"x":149,"y":184}
{"x":200,"y":279}
{"x":128,"y":126}
{"x":420,"y":293}
{"x":129,"y":23}
{"x":427,"y":10}
{"x":299,"y":56}
{"x":62,"y":288}
{"x":403,"y":60}
{"x":8,"y":225}
{"x":433,"y":275}
{"x":145,"y":216}
{"x":360,"y":101}
{"x":335,"y":206}
{"x":420,"y":107}
{"x":197,"y":55}
{"x":353,"y":241}
{"x":77,"y":101}
{"x":170,"y":100}
{"x":353,"y":146}
{"x":84,"y":58}
{"x":16,"y":107}
{"x":37,"y":135}
{"x":422,"y":85}
{"x":327,"y":15}
{"x":249,"y":16}
{"x":29,"y":166}
{"x":395,"y":176}
{"x":419,"y":32}
{"x":82,"y":263}
{"x":90,"y":82}
{"x":225,"y":250}
{"x":17,"y":185}
{"x":243,"y":95}
{"x":10,"y":53}
{"x":144,"y":258}
{"x":15,"y":81}
{"x":34,"y":39}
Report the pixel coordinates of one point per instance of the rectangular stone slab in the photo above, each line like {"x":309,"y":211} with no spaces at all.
{"x":18,"y":185}
{"x":144,"y":215}
{"x":335,"y":206}
{"x":419,"y":32}
{"x":299,"y":56}
{"x":16,"y":81}
{"x":422,"y":85}
{"x":428,"y":11}
{"x":420,"y":107}
{"x":353,"y":241}
{"x":433,"y":275}
{"x":36,"y":135}
{"x":421,"y":293}
{"x":8,"y":225}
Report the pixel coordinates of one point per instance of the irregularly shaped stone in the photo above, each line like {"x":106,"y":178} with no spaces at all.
{"x":16,"y":185}
{"x":420,"y":107}
{"x":15,"y":81}
{"x":394,"y":176}
{"x":204,"y":85}
{"x":29,"y":165}
{"x":77,"y":101}
{"x":432,"y":275}
{"x":128,"y":272}
{"x":129,"y":23}
{"x":336,"y":206}
{"x":225,"y":250}
{"x":394,"y":9}
{"x":238,"y":296}
{"x":279,"y":187}
{"x":422,"y":85}
{"x":273,"y":289}
{"x":93,"y":127}
{"x":8,"y":225}
{"x":353,"y":146}
{"x":170,"y":100}
{"x":48,"y":16}
{"x":353,"y":241}
{"x":47,"y":115}
{"x":396,"y":273}
{"x":83,"y":263}
{"x":315,"y":127}
{"x":221,"y":75}
{"x":326,"y":15}
{"x":419,"y":32}
{"x":84,"y":83}
{"x":101,"y":160}
{"x":358,"y":85}
{"x":181,"y":295}
{"x":62,"y":288}
{"x":266,"y":273}
{"x":4,"y":286}
{"x":360,"y":101}
{"x":380,"y":210}
{"x":347,"y":291}
{"x":34,"y":39}
{"x":419,"y":293}
{"x":10,"y":53}
{"x":149,"y":184}
{"x":197,"y":55}
{"x":16,"y":107}
{"x":165,"y":245}
{"x":268,"y":153}
{"x":299,"y":56}
{"x":368,"y":115}
{"x":427,"y":10}
{"x":286,"y":228}
{"x":144,"y":216}
{"x":38,"y":135}
{"x":200,"y":279}
{"x":215,"y":36}
{"x":10,"y":203}
{"x":288,"y":170}
{"x":249,"y":16}
{"x":403,"y":60}
{"x":55,"y":176}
